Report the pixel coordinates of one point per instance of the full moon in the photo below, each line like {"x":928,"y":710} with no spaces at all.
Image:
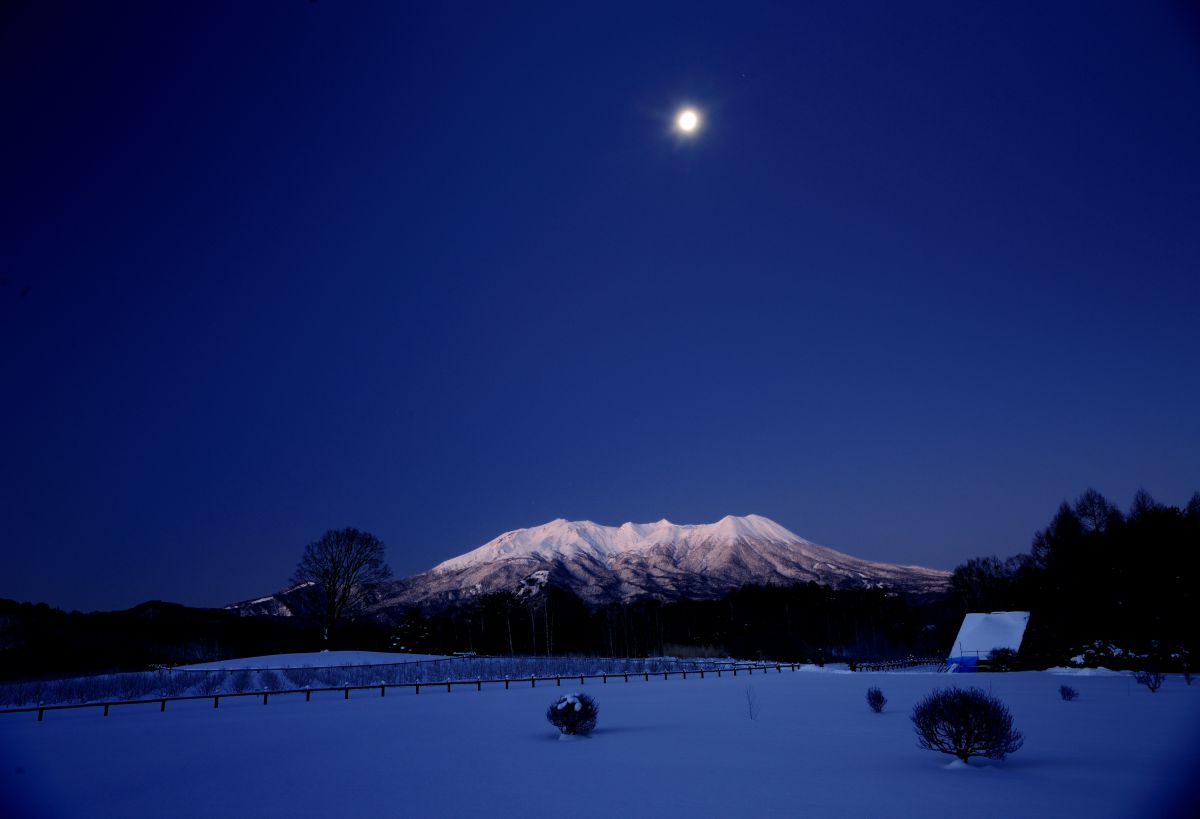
{"x":688,"y":120}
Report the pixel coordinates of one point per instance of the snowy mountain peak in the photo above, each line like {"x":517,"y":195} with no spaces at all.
{"x":585,"y":539}
{"x":664,"y":560}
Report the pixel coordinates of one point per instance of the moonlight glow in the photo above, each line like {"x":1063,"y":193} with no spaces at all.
{"x":687,"y":121}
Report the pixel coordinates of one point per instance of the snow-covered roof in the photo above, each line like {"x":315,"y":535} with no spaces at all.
{"x":981,"y":632}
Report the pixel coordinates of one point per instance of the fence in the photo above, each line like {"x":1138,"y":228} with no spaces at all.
{"x":478,"y":684}
{"x":158,"y":684}
{"x":908,"y":662}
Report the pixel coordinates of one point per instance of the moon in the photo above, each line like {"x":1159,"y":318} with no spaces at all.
{"x":687,"y":120}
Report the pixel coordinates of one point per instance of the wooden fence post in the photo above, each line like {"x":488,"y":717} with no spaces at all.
{"x":479,"y":685}
{"x":264,"y":698}
{"x":533,"y":682}
{"x":162,"y":706}
{"x":418,"y":688}
{"x":505,"y":683}
{"x":347,"y":696}
{"x":216,"y":702}
{"x":383,"y":690}
{"x":604,"y":678}
{"x":448,"y":687}
{"x":308,"y":696}
{"x":626,"y":678}
{"x":106,"y":709}
{"x":581,"y":679}
{"x":41,"y":713}
{"x":558,"y":680}
{"x":647,"y":676}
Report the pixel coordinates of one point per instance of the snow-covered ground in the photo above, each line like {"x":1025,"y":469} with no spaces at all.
{"x":285,"y":672}
{"x":314,"y":659}
{"x":662,"y":748}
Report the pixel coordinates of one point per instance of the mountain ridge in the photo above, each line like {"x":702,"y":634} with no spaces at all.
{"x":664,"y":560}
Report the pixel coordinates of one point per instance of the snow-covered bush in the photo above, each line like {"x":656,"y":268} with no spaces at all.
{"x":965,"y":722}
{"x":876,"y":700}
{"x":573,"y":714}
{"x":1151,"y":679}
{"x":1067,"y":692}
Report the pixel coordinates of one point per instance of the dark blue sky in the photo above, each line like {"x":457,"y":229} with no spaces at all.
{"x":442,"y":271}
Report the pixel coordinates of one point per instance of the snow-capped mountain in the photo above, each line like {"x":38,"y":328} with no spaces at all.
{"x":666,"y":560}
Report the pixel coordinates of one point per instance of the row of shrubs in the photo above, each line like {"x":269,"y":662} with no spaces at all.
{"x":960,"y":722}
{"x":181,"y":682}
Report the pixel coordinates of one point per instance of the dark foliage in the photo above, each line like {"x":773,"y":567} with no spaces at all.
{"x":573,"y":714}
{"x":1068,"y":693}
{"x":1002,"y":659}
{"x":40,"y":641}
{"x":799,"y":623}
{"x":965,"y":722}
{"x":1151,"y":679}
{"x":875,"y":699}
{"x":1081,"y":585}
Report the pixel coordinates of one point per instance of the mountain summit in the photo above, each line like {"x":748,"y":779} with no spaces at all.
{"x":670,"y":561}
{"x":582,"y":539}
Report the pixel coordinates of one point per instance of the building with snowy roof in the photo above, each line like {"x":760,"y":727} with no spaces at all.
{"x":982,"y":633}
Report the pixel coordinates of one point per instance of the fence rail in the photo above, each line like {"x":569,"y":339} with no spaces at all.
{"x":382,"y":688}
{"x":908,"y":662}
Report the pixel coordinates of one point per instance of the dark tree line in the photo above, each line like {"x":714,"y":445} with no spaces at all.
{"x":1095,"y":574}
{"x":802,"y":622}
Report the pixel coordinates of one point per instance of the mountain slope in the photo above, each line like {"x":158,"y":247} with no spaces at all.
{"x":604,"y":564}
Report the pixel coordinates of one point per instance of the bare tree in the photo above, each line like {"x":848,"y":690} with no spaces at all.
{"x":965,"y":722}
{"x":340,"y":569}
{"x":1152,"y":679}
{"x":752,"y":708}
{"x":1095,"y":512}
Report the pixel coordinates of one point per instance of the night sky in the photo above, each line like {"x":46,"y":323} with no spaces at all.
{"x":444,"y":270}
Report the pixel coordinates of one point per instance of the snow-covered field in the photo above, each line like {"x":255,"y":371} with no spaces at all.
{"x":335,"y":669}
{"x":314,"y":659}
{"x":662,"y":748}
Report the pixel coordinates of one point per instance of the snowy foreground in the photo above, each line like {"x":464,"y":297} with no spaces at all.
{"x":662,"y":748}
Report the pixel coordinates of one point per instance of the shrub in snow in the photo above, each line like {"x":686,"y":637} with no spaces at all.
{"x":1067,"y":692}
{"x":210,"y":682}
{"x":876,"y":700}
{"x":1151,"y":679}
{"x":1002,"y":659}
{"x":241,"y":681}
{"x":573,"y":714}
{"x":752,"y":708}
{"x":965,"y":722}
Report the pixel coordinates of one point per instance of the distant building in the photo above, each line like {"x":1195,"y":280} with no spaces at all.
{"x":982,"y":633}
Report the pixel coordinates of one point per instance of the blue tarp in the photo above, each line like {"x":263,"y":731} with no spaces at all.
{"x":964,"y":665}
